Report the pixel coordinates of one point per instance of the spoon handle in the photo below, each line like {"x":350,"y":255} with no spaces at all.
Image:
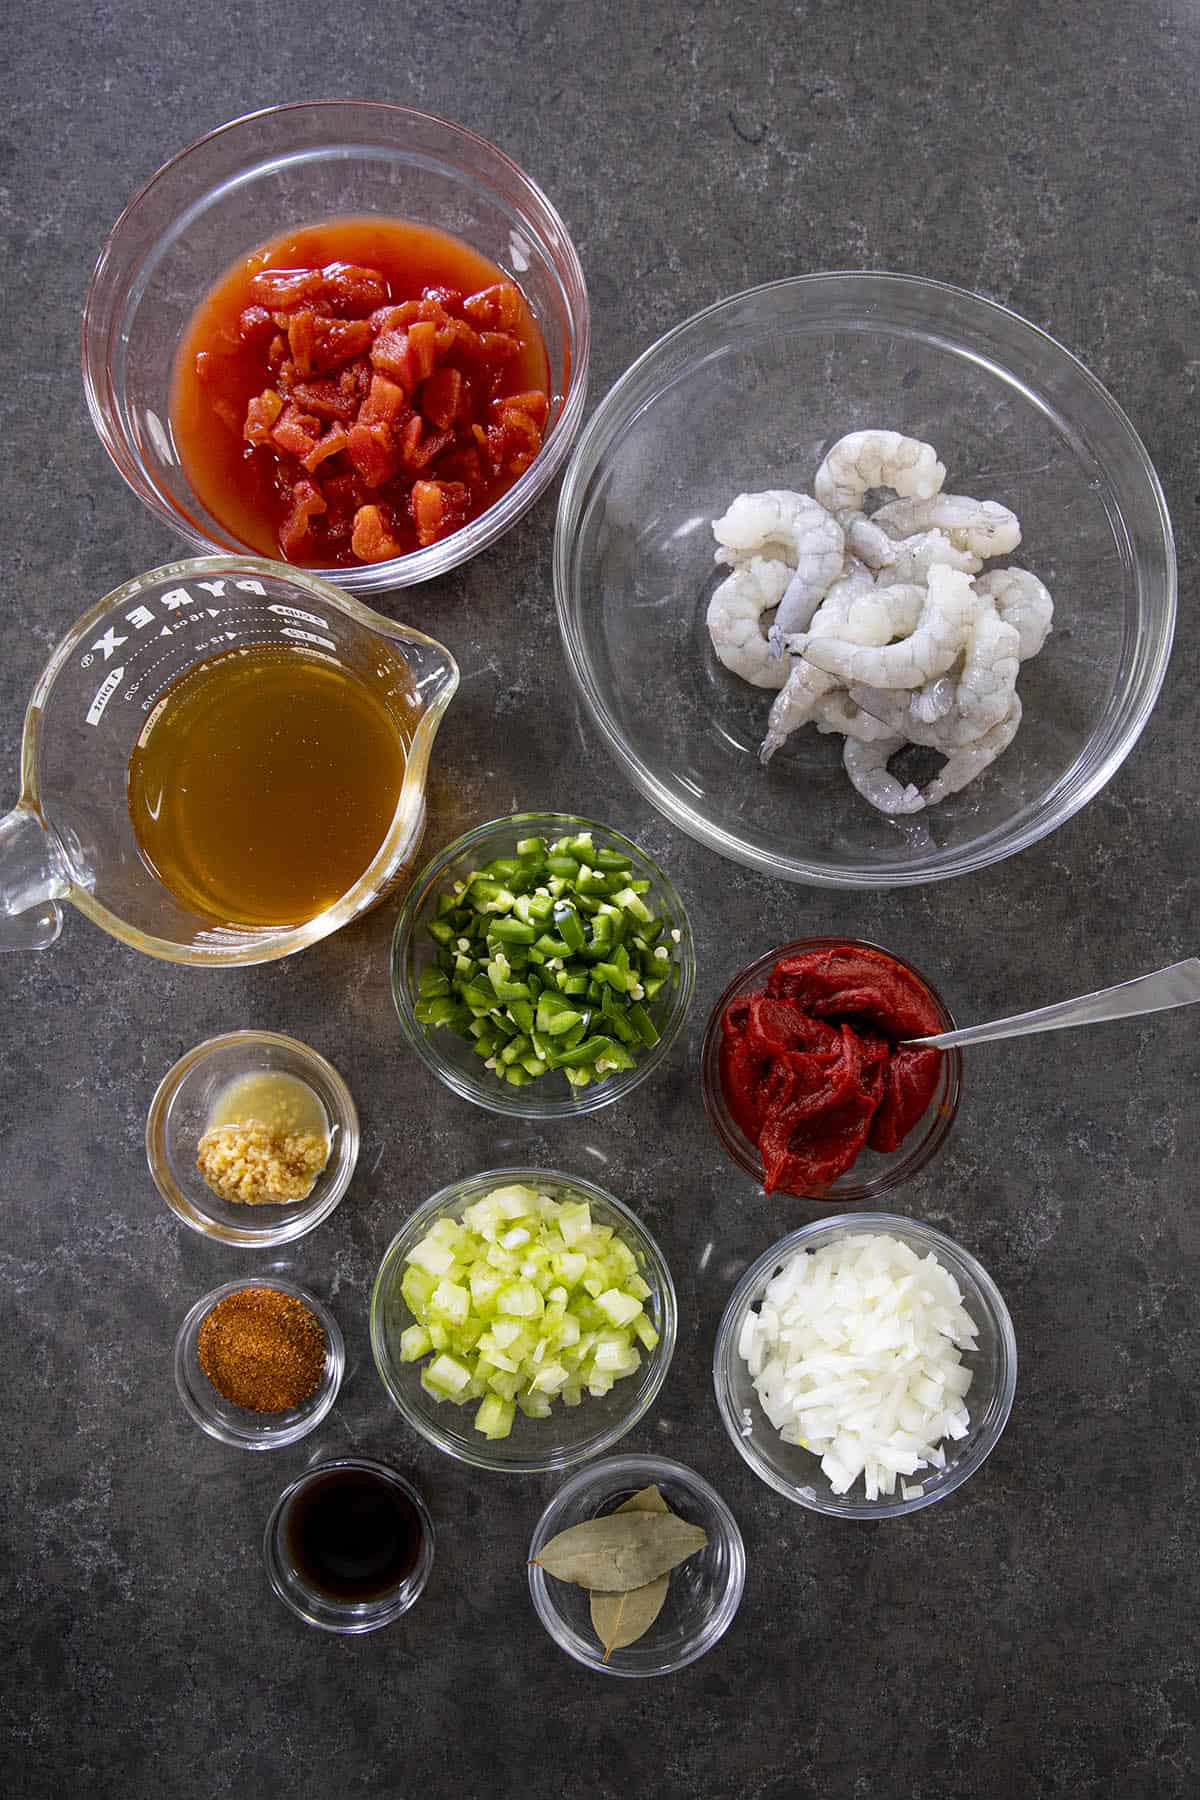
{"x":1178,"y":985}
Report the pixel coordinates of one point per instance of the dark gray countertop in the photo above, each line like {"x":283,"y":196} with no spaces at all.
{"x":1034,"y":1635}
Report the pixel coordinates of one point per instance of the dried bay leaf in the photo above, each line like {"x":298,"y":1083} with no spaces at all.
{"x":621,"y":1551}
{"x":621,"y":1619}
{"x":645,"y":1500}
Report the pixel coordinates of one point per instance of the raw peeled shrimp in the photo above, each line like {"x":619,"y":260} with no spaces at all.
{"x":836,"y":711}
{"x":893,"y":712}
{"x":890,"y":640}
{"x":933,"y":701}
{"x":902,"y":603}
{"x":855,"y":583}
{"x":982,"y":527}
{"x":950,"y":609}
{"x":963,"y":765}
{"x":1021,"y":600}
{"x":804,"y":685}
{"x":989,"y":675}
{"x":735,"y":620}
{"x":979,"y":699}
{"x":867,"y":766}
{"x":794,"y":704}
{"x":752,"y":520}
{"x":867,"y":540}
{"x":910,"y":713}
{"x":866,"y":459}
{"x":864,"y":614}
{"x":913,"y":557}
{"x":812,"y":543}
{"x":871,"y":459}
{"x":855,"y":611}
{"x":819,"y":544}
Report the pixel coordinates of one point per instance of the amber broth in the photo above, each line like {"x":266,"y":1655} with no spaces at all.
{"x":266,"y":779}
{"x":229,"y":477}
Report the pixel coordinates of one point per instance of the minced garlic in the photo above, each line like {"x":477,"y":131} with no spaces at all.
{"x":257,"y":1165}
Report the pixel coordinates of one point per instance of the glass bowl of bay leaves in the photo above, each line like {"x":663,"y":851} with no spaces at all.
{"x":613,"y":1522}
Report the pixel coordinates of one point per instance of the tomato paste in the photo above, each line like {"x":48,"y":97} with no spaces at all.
{"x":358,"y":390}
{"x":812,"y":1069}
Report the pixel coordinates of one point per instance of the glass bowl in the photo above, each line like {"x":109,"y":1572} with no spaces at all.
{"x":704,"y":1591}
{"x":348,"y":1618}
{"x":179,"y":1114}
{"x":451,"y":1058}
{"x":237,"y":1425}
{"x":750,"y":394}
{"x":290,"y":166}
{"x":571,"y":1434}
{"x":874,"y":1172}
{"x":796,"y":1473}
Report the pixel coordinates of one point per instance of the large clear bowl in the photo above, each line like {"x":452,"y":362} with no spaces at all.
{"x":277,"y":170}
{"x":797,"y":1473}
{"x":750,"y":394}
{"x":571,"y":1434}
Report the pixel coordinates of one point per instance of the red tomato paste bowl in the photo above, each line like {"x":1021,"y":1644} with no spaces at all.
{"x":873,"y":1172}
{"x":278,"y":171}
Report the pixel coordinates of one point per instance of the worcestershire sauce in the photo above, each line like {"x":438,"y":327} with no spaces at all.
{"x":353,"y":1535}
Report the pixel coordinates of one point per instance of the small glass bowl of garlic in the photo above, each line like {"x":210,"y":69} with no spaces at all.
{"x":243,"y":1118}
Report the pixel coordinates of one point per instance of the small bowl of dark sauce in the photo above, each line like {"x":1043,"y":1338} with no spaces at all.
{"x":349,"y":1546}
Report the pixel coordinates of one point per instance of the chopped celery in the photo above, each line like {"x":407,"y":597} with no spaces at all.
{"x":433,"y":1257}
{"x":446,"y":1375}
{"x":618,"y":1308}
{"x":495,"y":1416}
{"x":523,"y":1301}
{"x":450,"y":1304}
{"x":645,"y":1331}
{"x":414,"y":1343}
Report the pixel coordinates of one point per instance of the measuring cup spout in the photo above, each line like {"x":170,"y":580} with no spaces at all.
{"x":30,"y":883}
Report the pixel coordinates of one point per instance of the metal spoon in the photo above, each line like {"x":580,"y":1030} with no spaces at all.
{"x":1178,"y":985}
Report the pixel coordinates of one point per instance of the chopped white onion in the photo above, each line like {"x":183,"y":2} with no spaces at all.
{"x":855,"y":1355}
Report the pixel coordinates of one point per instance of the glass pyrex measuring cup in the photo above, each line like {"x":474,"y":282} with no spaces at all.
{"x":70,"y":837}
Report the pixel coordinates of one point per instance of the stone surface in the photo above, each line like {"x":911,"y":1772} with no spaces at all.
{"x":1035,"y":1635}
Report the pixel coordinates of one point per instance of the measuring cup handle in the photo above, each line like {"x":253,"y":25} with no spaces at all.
{"x":30,"y":916}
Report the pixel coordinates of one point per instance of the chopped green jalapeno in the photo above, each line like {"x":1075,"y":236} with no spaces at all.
{"x":551,"y":959}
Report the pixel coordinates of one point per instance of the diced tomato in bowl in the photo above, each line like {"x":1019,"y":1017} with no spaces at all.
{"x":372,"y":421}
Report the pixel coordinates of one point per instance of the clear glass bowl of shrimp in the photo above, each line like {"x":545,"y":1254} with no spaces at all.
{"x":750,"y":395}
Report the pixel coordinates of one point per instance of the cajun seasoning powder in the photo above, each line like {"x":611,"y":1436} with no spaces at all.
{"x":262,"y":1349}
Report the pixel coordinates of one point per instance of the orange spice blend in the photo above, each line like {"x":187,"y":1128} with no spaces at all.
{"x":263,"y":1349}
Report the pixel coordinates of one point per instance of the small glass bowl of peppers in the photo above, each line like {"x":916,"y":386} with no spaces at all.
{"x":873,"y":1171}
{"x":542,"y":966}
